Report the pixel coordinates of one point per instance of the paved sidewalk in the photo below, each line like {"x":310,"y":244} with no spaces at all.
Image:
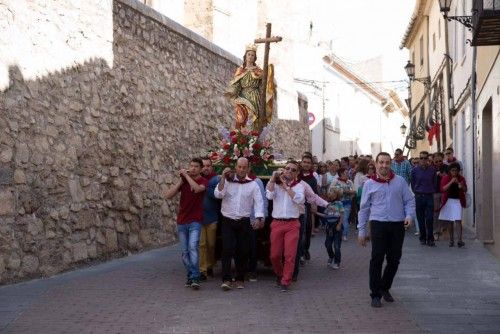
{"x":437,"y":290}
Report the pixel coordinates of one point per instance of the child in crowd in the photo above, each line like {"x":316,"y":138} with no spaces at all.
{"x":332,"y":218}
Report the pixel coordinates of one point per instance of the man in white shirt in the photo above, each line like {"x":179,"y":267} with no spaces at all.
{"x":239,"y":194}
{"x":287,"y":194}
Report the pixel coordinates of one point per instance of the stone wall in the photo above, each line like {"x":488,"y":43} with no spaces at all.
{"x":87,"y":150}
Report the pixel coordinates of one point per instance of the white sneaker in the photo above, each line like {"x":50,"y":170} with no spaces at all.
{"x":417,"y":234}
{"x":344,"y":238}
{"x":335,"y":266}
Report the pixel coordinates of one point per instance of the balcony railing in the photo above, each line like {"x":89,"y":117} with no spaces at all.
{"x":486,"y":22}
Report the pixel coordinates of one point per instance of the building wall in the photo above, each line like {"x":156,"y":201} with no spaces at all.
{"x":461,"y":138}
{"x":355,"y":122}
{"x":102,"y":103}
{"x":488,"y":148}
{"x":418,"y":45}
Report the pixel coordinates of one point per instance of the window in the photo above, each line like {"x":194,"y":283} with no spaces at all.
{"x":439,"y":28}
{"x":434,"y":42}
{"x":421,"y":51}
{"x":413,"y":57}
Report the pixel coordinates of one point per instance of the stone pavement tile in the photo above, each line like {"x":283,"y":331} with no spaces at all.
{"x":450,"y":290}
{"x":148,"y":296}
{"x":436,"y":292}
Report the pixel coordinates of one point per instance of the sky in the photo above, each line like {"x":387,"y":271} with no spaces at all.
{"x":363,"y":29}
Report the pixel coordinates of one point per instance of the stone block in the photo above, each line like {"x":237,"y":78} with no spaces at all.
{"x":7,"y":202}
{"x":80,"y":251}
{"x":30,"y":264}
{"x":22,"y":153}
{"x":6,"y":154}
{"x":100,"y":238}
{"x":114,"y":171}
{"x":67,"y":258}
{"x":75,"y":189}
{"x":145,"y":237}
{"x":111,"y":240}
{"x":121,"y":200}
{"x":119,"y":226}
{"x":66,"y":228}
{"x":2,"y":266}
{"x":133,"y":241}
{"x":92,"y":250}
{"x":84,"y":219}
{"x":14,"y":261}
{"x":35,"y":226}
{"x":64,"y":212}
{"x":50,"y":234}
{"x":48,"y":270}
{"x":6,"y":175}
{"x":137,"y":198}
{"x":19,"y":176}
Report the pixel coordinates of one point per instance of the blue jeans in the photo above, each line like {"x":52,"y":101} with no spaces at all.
{"x":189,"y":238}
{"x":333,"y":237}
{"x":425,"y":215}
{"x":345,"y":220}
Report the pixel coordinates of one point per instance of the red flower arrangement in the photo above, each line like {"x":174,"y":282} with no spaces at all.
{"x":243,"y":143}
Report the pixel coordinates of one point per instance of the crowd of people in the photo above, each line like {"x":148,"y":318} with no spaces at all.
{"x":381,"y":197}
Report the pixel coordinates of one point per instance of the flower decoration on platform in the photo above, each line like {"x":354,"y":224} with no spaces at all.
{"x":243,"y":143}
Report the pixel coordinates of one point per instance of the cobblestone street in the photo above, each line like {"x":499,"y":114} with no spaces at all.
{"x":437,"y":290}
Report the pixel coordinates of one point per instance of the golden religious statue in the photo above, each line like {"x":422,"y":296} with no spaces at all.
{"x":244,"y":92}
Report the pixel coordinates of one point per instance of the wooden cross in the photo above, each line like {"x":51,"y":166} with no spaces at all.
{"x":267,"y":41}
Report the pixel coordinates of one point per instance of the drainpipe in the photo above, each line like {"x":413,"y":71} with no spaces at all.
{"x":474,"y":132}
{"x":428,"y":89}
{"x":448,"y":72}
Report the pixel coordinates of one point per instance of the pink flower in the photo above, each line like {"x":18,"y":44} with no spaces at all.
{"x":266,"y":143}
{"x":247,"y":153}
{"x":266,"y":157}
{"x":236,"y":151}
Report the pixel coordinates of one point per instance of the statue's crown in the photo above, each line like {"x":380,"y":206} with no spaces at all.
{"x":251,"y":47}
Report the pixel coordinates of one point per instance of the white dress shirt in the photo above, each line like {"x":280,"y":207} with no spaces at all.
{"x":285,"y":206}
{"x":239,"y":198}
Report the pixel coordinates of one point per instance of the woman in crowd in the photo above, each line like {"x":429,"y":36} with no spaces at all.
{"x":453,"y":188}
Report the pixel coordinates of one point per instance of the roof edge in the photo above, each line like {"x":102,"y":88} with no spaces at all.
{"x":414,"y":20}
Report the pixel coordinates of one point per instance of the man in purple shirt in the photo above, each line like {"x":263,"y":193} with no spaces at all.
{"x":388,"y":204}
{"x":423,"y":184}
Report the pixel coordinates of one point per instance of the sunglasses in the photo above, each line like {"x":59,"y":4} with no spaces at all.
{"x":291,"y":169}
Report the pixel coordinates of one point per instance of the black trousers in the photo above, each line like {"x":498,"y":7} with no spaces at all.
{"x":387,"y":243}
{"x":425,"y":215}
{"x":235,"y":244}
{"x":308,"y":228}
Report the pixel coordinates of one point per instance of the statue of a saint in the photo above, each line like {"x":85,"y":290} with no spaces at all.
{"x":244,"y":91}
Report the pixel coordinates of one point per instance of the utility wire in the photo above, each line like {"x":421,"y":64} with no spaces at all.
{"x":350,"y":83}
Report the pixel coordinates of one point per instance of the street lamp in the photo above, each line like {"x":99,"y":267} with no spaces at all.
{"x":403,"y":128}
{"x":444,"y":7}
{"x":410,"y":71}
